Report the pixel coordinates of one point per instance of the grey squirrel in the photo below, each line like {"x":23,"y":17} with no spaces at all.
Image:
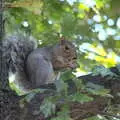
{"x":34,"y":66}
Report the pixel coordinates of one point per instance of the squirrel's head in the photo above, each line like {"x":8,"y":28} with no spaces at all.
{"x":67,"y":55}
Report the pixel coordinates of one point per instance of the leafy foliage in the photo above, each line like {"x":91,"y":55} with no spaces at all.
{"x":97,"y":90}
{"x":104,"y":72}
{"x":47,"y":108}
{"x":63,"y":114}
{"x":78,"y":97}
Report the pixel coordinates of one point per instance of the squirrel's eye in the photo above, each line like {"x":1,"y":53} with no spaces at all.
{"x":74,"y":58}
{"x":66,"y":48}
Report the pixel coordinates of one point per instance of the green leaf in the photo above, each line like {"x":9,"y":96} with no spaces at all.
{"x":63,"y":114}
{"x":104,"y":72}
{"x":61,"y":86}
{"x":79,"y":84}
{"x":47,"y":108}
{"x":97,"y":89}
{"x":79,"y":97}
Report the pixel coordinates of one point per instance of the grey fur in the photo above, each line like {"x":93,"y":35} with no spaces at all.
{"x":41,"y":67}
{"x":16,"y":47}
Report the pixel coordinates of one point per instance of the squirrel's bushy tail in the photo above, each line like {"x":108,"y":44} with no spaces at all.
{"x":16,"y":49}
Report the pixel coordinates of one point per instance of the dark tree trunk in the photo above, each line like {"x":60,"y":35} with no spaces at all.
{"x":3,"y":69}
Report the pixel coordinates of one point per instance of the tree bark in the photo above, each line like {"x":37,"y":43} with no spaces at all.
{"x":4,"y":84}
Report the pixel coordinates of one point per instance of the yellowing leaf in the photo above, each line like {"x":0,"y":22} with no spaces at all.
{"x":84,"y":7}
{"x":108,"y":62}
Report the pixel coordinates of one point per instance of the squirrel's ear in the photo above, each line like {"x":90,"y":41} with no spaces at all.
{"x":62,"y":40}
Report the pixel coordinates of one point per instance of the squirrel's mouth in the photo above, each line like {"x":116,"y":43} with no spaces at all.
{"x":72,"y":66}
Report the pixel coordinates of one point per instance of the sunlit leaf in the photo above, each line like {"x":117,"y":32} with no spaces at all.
{"x":82,"y":6}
